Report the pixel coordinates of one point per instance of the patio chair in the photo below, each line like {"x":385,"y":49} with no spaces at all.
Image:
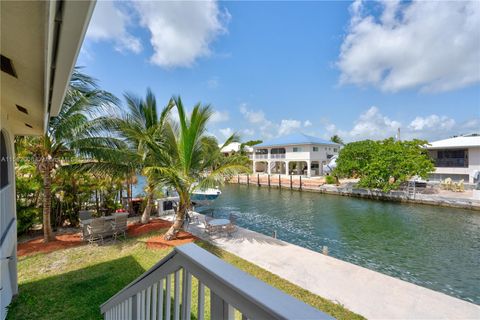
{"x":459,"y":186}
{"x":119,"y":225}
{"x":96,"y":230}
{"x":232,"y":226}
{"x":84,"y":215}
{"x":446,"y":184}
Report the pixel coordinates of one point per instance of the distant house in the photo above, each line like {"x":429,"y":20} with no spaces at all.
{"x":297,"y":154}
{"x":234,"y":147}
{"x":456,"y":158}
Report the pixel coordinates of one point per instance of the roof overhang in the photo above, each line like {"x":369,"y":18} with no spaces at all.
{"x":42,"y":39}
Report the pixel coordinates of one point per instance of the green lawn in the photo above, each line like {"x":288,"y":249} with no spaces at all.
{"x":73,"y":283}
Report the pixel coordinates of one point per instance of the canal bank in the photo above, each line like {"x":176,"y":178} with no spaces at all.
{"x":366,"y":292}
{"x":349,"y":189}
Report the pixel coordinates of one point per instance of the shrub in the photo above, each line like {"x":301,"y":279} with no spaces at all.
{"x":26,"y":218}
{"x":330,"y":180}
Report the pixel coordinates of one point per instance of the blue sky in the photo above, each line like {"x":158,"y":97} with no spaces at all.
{"x":360,"y":70}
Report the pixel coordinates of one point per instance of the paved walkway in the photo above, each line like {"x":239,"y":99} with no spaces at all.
{"x":366,"y":292}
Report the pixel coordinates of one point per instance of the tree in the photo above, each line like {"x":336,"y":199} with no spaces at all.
{"x":77,"y":131}
{"x":335,"y":138}
{"x":143,"y":127}
{"x":384,"y":164}
{"x":354,"y":158}
{"x":180,"y":160}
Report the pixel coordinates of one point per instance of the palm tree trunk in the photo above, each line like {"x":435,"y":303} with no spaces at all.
{"x":148,"y":208}
{"x":47,"y":206}
{"x":179,"y":220}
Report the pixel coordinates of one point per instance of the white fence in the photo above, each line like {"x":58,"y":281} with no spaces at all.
{"x":165,"y":292}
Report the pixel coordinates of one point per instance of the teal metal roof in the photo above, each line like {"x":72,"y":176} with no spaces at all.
{"x":294,"y":139}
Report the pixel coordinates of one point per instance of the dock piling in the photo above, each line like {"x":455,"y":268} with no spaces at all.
{"x":274,"y":234}
{"x":325,"y":250}
{"x":279,"y":181}
{"x":258,"y":179}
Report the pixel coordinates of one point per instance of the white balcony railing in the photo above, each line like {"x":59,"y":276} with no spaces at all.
{"x":261,"y":156}
{"x":166,"y":290}
{"x":278,"y":156}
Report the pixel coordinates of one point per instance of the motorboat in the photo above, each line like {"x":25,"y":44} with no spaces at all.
{"x":204,"y":197}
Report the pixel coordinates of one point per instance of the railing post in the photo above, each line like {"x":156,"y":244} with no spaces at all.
{"x":134,"y":307}
{"x":219,"y":309}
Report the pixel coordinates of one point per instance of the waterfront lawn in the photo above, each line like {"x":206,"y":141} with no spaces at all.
{"x":73,"y":283}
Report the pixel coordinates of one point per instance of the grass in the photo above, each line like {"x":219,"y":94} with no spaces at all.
{"x":73,"y":283}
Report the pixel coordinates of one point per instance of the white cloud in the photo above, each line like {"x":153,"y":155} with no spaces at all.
{"x":373,"y":125}
{"x":432,"y":122}
{"x":252,"y":116}
{"x":226,"y":132}
{"x":109,"y":23}
{"x":181,"y":31}
{"x":307,"y":123}
{"x":431,"y":45}
{"x":219,"y":116}
{"x":472,"y":124}
{"x":248,"y":132}
{"x":288,"y":126}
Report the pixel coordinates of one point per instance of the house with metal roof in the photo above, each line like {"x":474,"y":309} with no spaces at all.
{"x":296,"y":154}
{"x":456,"y":158}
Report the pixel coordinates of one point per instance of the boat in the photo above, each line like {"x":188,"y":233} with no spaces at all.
{"x":332,"y":164}
{"x":204,"y":197}
{"x":199,"y":197}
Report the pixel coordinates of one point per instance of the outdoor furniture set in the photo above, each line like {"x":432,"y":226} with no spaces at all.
{"x":98,"y":229}
{"x":448,"y":184}
{"x":220,"y":226}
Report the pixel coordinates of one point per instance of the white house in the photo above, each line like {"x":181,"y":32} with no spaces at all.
{"x":40,"y":41}
{"x":456,"y":158}
{"x":298,"y":154}
{"x":234,"y":147}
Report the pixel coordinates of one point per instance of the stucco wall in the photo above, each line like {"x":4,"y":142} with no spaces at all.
{"x":8,"y":228}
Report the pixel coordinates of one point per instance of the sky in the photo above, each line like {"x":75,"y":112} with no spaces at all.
{"x":357,"y":69}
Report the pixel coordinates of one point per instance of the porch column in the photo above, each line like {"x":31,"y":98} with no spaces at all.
{"x":254,"y":167}
{"x":320,"y":167}
{"x":269,"y":170}
{"x":309,"y":169}
{"x":287,"y":169}
{"x":268,"y":153}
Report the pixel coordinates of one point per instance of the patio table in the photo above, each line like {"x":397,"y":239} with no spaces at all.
{"x":219,"y":222}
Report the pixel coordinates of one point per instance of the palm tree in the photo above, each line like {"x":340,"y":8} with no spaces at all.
{"x":141,"y":128}
{"x":180,"y":162}
{"x":76,"y":131}
{"x":336,"y":138}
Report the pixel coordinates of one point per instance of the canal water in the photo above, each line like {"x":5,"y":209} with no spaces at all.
{"x":434,"y":247}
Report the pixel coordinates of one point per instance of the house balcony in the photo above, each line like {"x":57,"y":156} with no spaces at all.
{"x":166,"y":290}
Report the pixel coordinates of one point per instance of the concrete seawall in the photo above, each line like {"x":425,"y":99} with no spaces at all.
{"x":363,"y":291}
{"x":351,"y":191}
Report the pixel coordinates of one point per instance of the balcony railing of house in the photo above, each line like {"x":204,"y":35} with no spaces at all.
{"x":278,"y":156}
{"x":165,"y":291}
{"x":261,"y":156}
{"x":451,"y":163}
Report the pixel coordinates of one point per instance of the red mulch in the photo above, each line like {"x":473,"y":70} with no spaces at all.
{"x":63,"y":241}
{"x":137,"y":228}
{"x":160,"y":243}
